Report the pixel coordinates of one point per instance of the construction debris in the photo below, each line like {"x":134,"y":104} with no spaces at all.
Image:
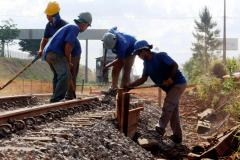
{"x":224,"y":146}
{"x":203,"y":126}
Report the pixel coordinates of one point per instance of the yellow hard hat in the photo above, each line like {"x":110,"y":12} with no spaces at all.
{"x":52,"y":8}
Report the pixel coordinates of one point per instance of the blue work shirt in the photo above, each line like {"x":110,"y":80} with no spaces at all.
{"x":66,"y":34}
{"x":52,"y":27}
{"x":124,"y":45}
{"x":77,"y":50}
{"x":158,"y":69}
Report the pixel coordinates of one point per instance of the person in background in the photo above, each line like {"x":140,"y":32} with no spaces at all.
{"x":164,"y":72}
{"x":122,"y":45}
{"x":54,"y":23}
{"x":58,"y":53}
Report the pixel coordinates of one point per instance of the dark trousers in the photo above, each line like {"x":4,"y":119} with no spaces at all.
{"x":71,"y":92}
{"x":170,"y":110}
{"x":61,"y":75}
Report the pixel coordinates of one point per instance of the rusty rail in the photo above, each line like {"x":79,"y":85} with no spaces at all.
{"x":29,"y":112}
{"x":12,"y":121}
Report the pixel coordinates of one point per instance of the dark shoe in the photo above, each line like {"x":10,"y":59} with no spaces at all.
{"x":176,"y":139}
{"x":70,"y":96}
{"x":159,"y":130}
{"x":110,"y":92}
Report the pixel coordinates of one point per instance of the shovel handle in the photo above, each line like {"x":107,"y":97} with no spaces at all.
{"x":15,"y":76}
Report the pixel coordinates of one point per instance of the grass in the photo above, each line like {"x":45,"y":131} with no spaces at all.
{"x":38,"y":71}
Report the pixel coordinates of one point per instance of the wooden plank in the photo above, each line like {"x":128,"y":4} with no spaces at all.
{"x":43,"y":139}
{"x":225,"y":145}
{"x":78,"y":123}
{"x":63,"y":135}
{"x":132,"y":130}
{"x":60,"y":129}
{"x":26,"y":149}
{"x":133,"y":116}
{"x":78,"y":120}
{"x":119,"y":107}
{"x":85,"y":118}
{"x":124,"y":115}
{"x":96,"y":116}
{"x":159,"y":97}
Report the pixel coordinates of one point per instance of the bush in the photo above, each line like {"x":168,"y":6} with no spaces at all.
{"x":218,"y":70}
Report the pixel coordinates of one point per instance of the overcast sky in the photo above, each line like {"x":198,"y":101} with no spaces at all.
{"x":167,"y":24}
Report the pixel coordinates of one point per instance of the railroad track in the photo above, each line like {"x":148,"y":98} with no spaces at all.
{"x":42,"y":140}
{"x":8,"y":103}
{"x":19,"y":119}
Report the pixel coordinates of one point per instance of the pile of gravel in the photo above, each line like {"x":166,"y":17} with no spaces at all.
{"x":101,"y":141}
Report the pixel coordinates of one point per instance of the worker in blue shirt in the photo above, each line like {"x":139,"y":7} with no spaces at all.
{"x":57,"y":53}
{"x":122,"y":45}
{"x":54,"y":23}
{"x":164,"y":72}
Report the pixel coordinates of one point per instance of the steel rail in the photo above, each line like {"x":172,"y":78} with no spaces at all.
{"x":23,"y":113}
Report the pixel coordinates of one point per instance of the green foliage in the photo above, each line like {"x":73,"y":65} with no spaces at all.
{"x":214,"y":92}
{"x":203,"y":48}
{"x":234,"y":108}
{"x":207,"y":87}
{"x":192,"y":70}
{"x":8,"y":32}
{"x":229,"y":85}
{"x":218,"y":70}
{"x":238,"y":143}
{"x":232,"y":66}
{"x":30,"y":46}
{"x":37,"y":71}
{"x":206,"y":42}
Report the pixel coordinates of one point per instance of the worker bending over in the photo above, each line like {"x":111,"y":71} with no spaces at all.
{"x":58,"y":52}
{"x":122,"y":45}
{"x":164,"y":72}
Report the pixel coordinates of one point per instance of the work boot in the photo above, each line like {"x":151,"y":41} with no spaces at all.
{"x":160,"y":130}
{"x":110,"y":92}
{"x":70,"y":96}
{"x":176,"y":139}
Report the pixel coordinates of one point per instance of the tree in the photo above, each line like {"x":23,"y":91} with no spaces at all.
{"x":30,"y":45}
{"x":206,"y":43}
{"x":8,"y":32}
{"x":203,"y":47}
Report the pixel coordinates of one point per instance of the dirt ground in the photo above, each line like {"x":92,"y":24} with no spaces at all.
{"x":190,"y":106}
{"x":20,"y":87}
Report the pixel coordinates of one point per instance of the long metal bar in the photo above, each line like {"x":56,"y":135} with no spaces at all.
{"x":141,"y":87}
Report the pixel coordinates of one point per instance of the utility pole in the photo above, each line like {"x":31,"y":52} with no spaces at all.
{"x":224,"y":34}
{"x":86,"y":62}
